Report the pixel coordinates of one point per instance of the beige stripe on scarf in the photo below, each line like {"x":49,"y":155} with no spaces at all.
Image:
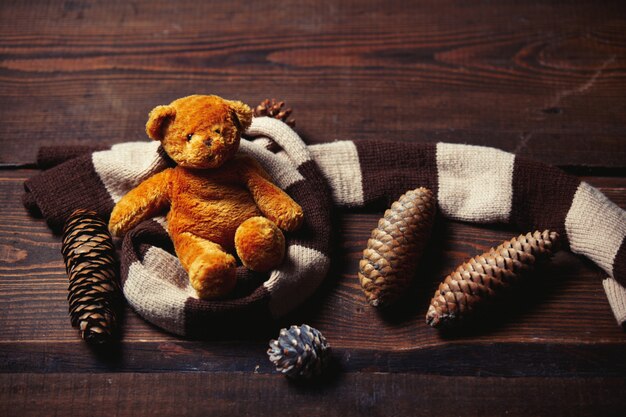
{"x":126,"y":165}
{"x":339,"y":163}
{"x":161,"y":301}
{"x":299,"y":275}
{"x":595,"y":226}
{"x":475,"y":182}
{"x":617,"y":299}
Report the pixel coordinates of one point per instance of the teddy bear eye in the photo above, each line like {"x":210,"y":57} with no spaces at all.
{"x":189,"y":136}
{"x":218,"y":131}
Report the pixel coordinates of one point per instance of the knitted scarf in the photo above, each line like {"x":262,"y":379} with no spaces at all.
{"x":472,"y":183}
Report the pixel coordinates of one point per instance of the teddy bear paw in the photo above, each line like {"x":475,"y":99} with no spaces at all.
{"x":260,"y":244}
{"x":214,"y":275}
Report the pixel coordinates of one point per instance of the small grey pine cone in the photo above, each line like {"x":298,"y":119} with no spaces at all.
{"x":299,"y":352}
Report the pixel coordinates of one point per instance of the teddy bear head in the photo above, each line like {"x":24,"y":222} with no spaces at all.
{"x":199,"y":131}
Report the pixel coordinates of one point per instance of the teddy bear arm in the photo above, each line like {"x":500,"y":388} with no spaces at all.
{"x":142,"y":202}
{"x":273,"y":202}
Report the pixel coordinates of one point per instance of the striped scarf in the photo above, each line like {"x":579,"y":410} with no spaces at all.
{"x":472,"y":183}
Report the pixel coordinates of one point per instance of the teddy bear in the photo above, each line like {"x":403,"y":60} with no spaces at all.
{"x":220,"y":201}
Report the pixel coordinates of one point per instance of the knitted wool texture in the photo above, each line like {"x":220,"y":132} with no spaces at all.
{"x":472,"y":183}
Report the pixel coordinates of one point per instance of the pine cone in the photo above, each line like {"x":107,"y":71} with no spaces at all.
{"x":300,"y":352}
{"x":485,"y":277}
{"x":89,"y":257}
{"x":273,"y":108}
{"x":395,"y":247}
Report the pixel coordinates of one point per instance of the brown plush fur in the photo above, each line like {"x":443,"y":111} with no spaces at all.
{"x":216,"y":199}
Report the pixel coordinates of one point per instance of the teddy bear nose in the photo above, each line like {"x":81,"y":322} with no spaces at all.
{"x":208,"y":142}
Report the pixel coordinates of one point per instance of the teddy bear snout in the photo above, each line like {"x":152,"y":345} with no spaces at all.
{"x":208,"y":142}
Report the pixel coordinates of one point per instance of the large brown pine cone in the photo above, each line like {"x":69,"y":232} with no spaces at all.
{"x":390,"y":260}
{"x":485,"y":277}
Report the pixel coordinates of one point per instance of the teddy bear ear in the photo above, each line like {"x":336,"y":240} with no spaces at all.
{"x":241,"y":114}
{"x":157,"y":120}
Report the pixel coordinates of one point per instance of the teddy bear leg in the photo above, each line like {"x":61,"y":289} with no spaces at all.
{"x":212,"y":271}
{"x":260,"y":244}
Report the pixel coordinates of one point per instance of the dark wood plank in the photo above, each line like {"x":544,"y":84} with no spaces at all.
{"x":201,"y":394}
{"x":463,"y":357}
{"x":560,"y":324}
{"x":542,"y":80}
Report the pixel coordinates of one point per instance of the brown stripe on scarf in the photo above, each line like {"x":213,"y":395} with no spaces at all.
{"x":314,"y":197}
{"x":58,"y":191}
{"x":204,"y":317}
{"x":50,"y":156}
{"x":619,"y":265}
{"x":389,"y":169}
{"x":542,"y":196}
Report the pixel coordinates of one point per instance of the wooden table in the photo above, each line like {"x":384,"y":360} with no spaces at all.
{"x":546,"y":81}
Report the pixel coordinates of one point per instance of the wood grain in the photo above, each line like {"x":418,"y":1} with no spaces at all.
{"x":542,"y":80}
{"x":465,"y":357}
{"x":201,"y":394}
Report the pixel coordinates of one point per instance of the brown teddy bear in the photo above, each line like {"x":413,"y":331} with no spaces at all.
{"x":218,"y":200}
